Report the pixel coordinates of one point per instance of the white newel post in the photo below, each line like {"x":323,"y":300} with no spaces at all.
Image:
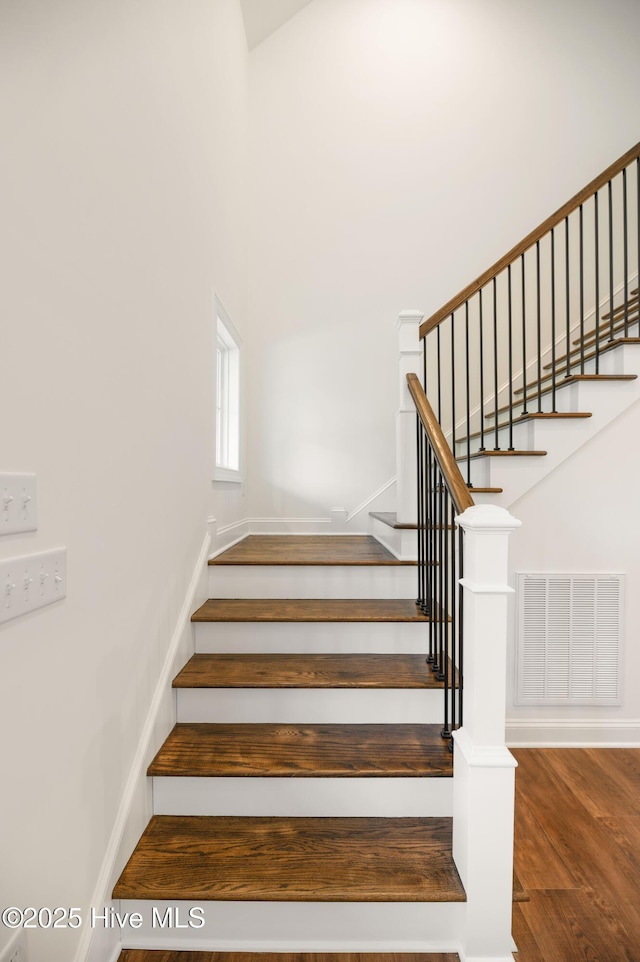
{"x":484,"y":769}
{"x":409,"y":362}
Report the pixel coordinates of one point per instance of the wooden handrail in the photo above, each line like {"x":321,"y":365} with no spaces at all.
{"x":531,"y":239}
{"x":455,"y":482}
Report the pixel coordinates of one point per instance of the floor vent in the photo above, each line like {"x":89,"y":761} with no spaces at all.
{"x":569,"y":639}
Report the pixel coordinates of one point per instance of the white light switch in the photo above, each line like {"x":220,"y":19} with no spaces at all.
{"x":31,"y":582}
{"x":17,"y":503}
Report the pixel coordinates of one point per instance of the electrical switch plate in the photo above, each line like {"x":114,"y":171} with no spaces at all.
{"x":31,"y":582}
{"x":17,"y":503}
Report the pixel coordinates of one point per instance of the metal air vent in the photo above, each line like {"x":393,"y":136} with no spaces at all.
{"x":569,"y":639}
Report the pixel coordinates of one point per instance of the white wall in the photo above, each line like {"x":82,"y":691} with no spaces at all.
{"x":399,"y":147}
{"x":123,"y":209}
{"x":591,"y":524}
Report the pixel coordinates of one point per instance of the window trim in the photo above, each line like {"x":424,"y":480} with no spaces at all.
{"x":229,"y":364}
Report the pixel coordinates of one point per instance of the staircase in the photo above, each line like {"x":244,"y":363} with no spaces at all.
{"x":304,"y":802}
{"x":303,"y":799}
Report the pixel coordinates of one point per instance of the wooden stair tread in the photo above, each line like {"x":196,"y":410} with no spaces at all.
{"x":309,"y":609}
{"x":391,"y":518}
{"x":276,"y":670}
{"x":162,"y":955}
{"x":589,"y":351}
{"x":489,"y":432}
{"x":293,"y":859}
{"x":290,"y":750}
{"x":562,"y":382}
{"x":501,"y":453}
{"x":315,"y":549}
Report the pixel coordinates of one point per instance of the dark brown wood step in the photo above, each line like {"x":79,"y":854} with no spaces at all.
{"x":632,"y":300}
{"x":161,"y":955}
{"x":276,"y":670}
{"x":391,"y":518}
{"x":293,"y":859}
{"x":501,"y":453}
{"x":489,"y":432}
{"x":304,"y":751}
{"x":564,"y":382}
{"x":310,"y":609}
{"x":315,"y":549}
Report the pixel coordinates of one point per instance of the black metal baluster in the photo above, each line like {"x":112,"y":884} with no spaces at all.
{"x":468,"y":383}
{"x":596,"y":215}
{"x":581,"y":289}
{"x":439,"y":378}
{"x":451,"y":666}
{"x":482,"y":448}
{"x":625,"y":252}
{"x":438,"y":653}
{"x":567,"y":281}
{"x":524,"y":336}
{"x":510,"y":340}
{"x":428,"y":533}
{"x":453,"y":387}
{"x":553,"y":321}
{"x":443,"y":674}
{"x":539,"y":326}
{"x":420,"y":512}
{"x":610,"y":196}
{"x":495,"y":361}
{"x":458,"y":677}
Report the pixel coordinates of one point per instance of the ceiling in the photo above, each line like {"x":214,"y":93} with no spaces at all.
{"x":264,"y":17}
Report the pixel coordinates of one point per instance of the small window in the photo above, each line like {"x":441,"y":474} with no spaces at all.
{"x":227,"y":447}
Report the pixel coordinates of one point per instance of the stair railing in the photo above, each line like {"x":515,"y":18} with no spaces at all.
{"x":442,"y":495}
{"x":544,"y":315}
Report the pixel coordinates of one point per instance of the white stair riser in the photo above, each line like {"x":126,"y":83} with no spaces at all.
{"x":310,"y":706}
{"x":313,"y":581}
{"x":305,"y":797}
{"x":605,"y":399}
{"x":311,"y":637}
{"x":403,"y":542}
{"x":301,"y":926}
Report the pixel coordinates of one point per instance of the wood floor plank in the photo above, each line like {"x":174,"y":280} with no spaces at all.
{"x":158,"y":955}
{"x":293,"y":859}
{"x":567,"y":929}
{"x":310,"y":609}
{"x":595,"y":777}
{"x":308,"y":550}
{"x":528,"y":949}
{"x":278,"y":670}
{"x":581,"y":840}
{"x":538,"y":864}
{"x":215,"y":750}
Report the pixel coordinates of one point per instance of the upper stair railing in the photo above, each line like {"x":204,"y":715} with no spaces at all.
{"x":442,"y":494}
{"x":544,"y":315}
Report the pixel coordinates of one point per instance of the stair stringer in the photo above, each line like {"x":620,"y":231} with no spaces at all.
{"x":606,"y":400}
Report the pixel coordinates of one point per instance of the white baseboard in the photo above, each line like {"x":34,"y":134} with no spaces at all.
{"x":557,"y":733}
{"x":100,"y":945}
{"x":338,"y":521}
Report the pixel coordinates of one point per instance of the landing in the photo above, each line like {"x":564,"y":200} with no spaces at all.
{"x":315,"y":549}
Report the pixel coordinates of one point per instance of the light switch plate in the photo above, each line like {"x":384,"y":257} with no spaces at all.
{"x":31,"y":582}
{"x":18,"y":503}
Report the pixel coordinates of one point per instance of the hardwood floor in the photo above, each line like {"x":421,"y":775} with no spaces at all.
{"x":312,"y":549}
{"x":577,"y":853}
{"x":276,"y":670}
{"x":142,"y":955}
{"x":357,"y":751}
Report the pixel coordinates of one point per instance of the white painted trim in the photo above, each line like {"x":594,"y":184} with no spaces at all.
{"x":562,"y":733}
{"x":117,"y":949}
{"x":367,"y":501}
{"x":483,"y":756}
{"x":138,"y":770}
{"x":307,"y":947}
